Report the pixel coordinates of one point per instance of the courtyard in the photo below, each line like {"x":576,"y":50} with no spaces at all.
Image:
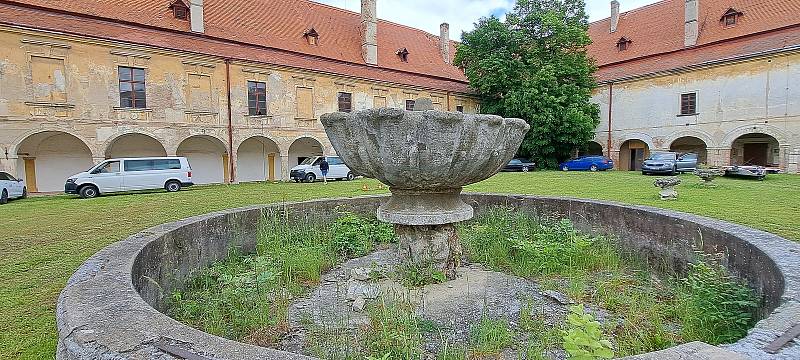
{"x":46,"y":238}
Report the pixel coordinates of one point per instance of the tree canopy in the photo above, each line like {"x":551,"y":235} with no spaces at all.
{"x":534,"y":66}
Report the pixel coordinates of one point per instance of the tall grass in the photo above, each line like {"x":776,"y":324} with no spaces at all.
{"x":245,"y":296}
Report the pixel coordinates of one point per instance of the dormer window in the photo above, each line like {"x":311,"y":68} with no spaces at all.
{"x":180,"y":10}
{"x":403,"y":54}
{"x":312,"y":36}
{"x":623,"y":43}
{"x":730,"y":17}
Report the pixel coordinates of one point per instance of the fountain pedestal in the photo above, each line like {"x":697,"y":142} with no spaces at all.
{"x":426,"y":157}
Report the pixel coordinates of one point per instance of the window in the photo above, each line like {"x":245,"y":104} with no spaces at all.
{"x":689,"y":104}
{"x":730,"y":20}
{"x":730,"y":17}
{"x":460,"y":108}
{"x":48,"y":77}
{"x":334,"y":161}
{"x":345,"y":102}
{"x":138,"y":165}
{"x":107,"y":168}
{"x":180,"y":10}
{"x":256,"y":98}
{"x":131,"y":88}
{"x":167,"y":164}
{"x":312,"y":36}
{"x":410,"y":105}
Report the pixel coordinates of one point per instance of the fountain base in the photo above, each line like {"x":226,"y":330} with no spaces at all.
{"x":437,"y":246}
{"x":425,"y":207}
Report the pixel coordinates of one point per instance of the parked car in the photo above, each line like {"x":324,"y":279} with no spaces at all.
{"x":591,"y":163}
{"x":309,"y":171}
{"x":11,"y":188}
{"x":669,"y":163}
{"x":519,"y":164}
{"x":128,"y":174}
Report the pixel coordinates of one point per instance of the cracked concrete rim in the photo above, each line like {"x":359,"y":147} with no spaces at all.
{"x":110,"y":306}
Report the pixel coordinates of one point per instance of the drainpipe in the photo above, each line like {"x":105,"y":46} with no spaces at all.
{"x":448,"y":101}
{"x":231,"y":167}
{"x":610,"y":103}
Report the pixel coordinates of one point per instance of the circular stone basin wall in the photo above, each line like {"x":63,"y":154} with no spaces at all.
{"x":110,"y":307}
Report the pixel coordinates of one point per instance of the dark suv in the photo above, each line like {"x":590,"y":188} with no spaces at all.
{"x":669,"y":163}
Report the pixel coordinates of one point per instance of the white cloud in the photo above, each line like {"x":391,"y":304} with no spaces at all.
{"x":462,"y":14}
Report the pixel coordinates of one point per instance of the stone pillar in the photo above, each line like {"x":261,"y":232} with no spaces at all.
{"x":793,"y":165}
{"x":285,"y":167}
{"x":614,"y":155}
{"x":783,"y":163}
{"x":369,"y":31}
{"x":718,"y":156}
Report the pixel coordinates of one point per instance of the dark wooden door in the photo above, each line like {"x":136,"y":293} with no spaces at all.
{"x":637,"y":156}
{"x":756,"y":154}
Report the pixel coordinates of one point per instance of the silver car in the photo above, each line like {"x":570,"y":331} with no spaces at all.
{"x":669,"y":163}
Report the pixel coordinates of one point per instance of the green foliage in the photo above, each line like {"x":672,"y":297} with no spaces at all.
{"x":418,"y":275}
{"x":717,"y":307}
{"x":534,"y":66}
{"x":584,"y":340}
{"x":355,"y":236}
{"x":490,"y":336}
{"x":245,"y":297}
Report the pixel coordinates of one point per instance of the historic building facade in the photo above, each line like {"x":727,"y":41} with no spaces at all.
{"x":235,"y":86}
{"x":716,"y":77}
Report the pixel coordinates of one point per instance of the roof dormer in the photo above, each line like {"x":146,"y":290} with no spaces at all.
{"x":623,"y":43}
{"x":179,"y":10}
{"x":730,"y":17}
{"x":403,"y":54}
{"x":312,"y":36}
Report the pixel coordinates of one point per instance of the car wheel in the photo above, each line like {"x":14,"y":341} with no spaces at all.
{"x":593,"y":168}
{"x":172,"y":186}
{"x":524,"y":169}
{"x":351,"y":176}
{"x":24,"y":193}
{"x":565,"y":168}
{"x":311,"y":178}
{"x":88,"y":192}
{"x":4,"y":197}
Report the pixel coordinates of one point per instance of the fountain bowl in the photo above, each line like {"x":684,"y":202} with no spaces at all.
{"x":425,"y":157}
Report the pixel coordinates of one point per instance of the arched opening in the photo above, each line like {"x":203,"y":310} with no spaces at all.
{"x":258,"y":159}
{"x":691,"y":144}
{"x":632,"y":153}
{"x":135,"y":145}
{"x":303,"y":148}
{"x":592,"y":148}
{"x":47,"y":159}
{"x":207,"y":156}
{"x":755,"y":149}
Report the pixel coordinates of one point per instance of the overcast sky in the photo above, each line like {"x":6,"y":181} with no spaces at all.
{"x":462,"y":14}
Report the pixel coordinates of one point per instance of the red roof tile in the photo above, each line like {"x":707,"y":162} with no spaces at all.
{"x":657,"y":31}
{"x":275,"y":24}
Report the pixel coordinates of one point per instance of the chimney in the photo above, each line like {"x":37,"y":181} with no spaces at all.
{"x":614,"y":15}
{"x":369,"y":31}
{"x":691,"y":26}
{"x":196,"y":16}
{"x":444,"y":41}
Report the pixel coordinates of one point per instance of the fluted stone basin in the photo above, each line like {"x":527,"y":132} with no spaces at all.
{"x":425,"y":157}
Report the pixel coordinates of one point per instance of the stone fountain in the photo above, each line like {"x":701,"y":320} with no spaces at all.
{"x":425,"y":157}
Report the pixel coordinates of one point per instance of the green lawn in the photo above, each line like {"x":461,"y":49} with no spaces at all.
{"x":43,"y":240}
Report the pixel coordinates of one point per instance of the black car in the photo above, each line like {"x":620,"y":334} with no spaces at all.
{"x":519,"y":164}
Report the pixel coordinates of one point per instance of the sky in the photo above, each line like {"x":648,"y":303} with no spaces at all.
{"x":462,"y":14}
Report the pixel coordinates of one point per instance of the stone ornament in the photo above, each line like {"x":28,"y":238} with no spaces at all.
{"x":708,"y":175}
{"x":425,"y":157}
{"x":667,"y":186}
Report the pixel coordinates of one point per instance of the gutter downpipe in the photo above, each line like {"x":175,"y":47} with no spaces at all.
{"x":610,"y":103}
{"x":230,"y":121}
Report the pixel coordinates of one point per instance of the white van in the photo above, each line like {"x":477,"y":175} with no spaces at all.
{"x":128,"y":174}
{"x":309,"y":170}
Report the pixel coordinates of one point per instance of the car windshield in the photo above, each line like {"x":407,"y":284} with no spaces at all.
{"x":662,"y":156}
{"x":308,"y":161}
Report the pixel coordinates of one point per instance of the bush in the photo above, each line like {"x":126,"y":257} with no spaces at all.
{"x":584,"y":340}
{"x":355,"y":236}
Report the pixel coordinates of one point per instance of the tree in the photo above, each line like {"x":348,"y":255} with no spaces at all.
{"x":534,"y":66}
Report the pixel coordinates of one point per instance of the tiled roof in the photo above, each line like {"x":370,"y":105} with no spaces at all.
{"x":656,"y":33}
{"x":267,"y":24}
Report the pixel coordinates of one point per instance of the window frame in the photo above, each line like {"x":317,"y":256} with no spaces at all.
{"x":410,"y":102}
{"x":340,"y":101}
{"x":132,"y":83}
{"x":688,"y":104}
{"x":460,"y":108}
{"x":260,"y":96}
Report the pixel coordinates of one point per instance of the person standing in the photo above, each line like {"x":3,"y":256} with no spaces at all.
{"x":324,"y":167}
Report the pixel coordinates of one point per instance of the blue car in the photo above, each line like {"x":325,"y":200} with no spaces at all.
{"x":591,"y":163}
